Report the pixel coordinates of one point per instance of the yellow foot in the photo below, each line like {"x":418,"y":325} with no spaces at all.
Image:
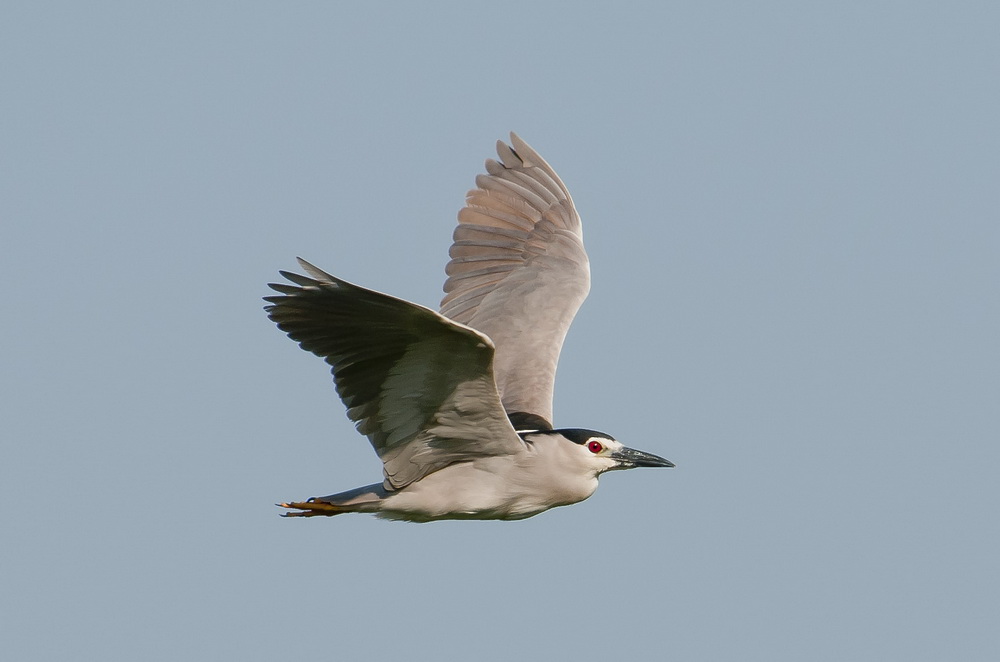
{"x":311,"y":509}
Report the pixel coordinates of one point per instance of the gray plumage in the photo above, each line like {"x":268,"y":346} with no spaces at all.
{"x":439,"y":394}
{"x":519,"y":272}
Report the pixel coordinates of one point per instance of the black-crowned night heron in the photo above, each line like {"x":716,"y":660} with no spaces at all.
{"x":458,"y":404}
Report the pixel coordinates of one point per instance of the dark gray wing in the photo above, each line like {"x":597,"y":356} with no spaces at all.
{"x":418,"y":385}
{"x":518,"y":273}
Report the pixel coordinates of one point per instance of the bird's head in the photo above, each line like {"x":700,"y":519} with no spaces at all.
{"x":598,"y":451}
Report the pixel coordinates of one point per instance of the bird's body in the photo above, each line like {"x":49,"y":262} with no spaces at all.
{"x":543,"y":475}
{"x":458,"y":404}
{"x":486,"y":488}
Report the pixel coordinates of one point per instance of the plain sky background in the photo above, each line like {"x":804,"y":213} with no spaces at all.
{"x":793,"y":216}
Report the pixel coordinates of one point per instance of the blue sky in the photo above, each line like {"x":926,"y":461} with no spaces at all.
{"x":792,"y":217}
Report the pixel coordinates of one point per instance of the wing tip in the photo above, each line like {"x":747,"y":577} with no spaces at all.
{"x":315,"y":271}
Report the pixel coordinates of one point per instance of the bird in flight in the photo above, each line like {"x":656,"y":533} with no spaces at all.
{"x":458,"y":403}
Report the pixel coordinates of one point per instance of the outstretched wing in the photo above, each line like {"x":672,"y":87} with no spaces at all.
{"x":518,"y":273}
{"x":418,"y":385}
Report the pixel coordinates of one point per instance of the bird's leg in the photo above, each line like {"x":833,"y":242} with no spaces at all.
{"x":311,"y":509}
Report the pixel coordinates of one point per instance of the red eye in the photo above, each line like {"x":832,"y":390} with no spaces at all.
{"x":595,"y":447}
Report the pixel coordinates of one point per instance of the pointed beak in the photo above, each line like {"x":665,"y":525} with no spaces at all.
{"x":629,"y":458}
